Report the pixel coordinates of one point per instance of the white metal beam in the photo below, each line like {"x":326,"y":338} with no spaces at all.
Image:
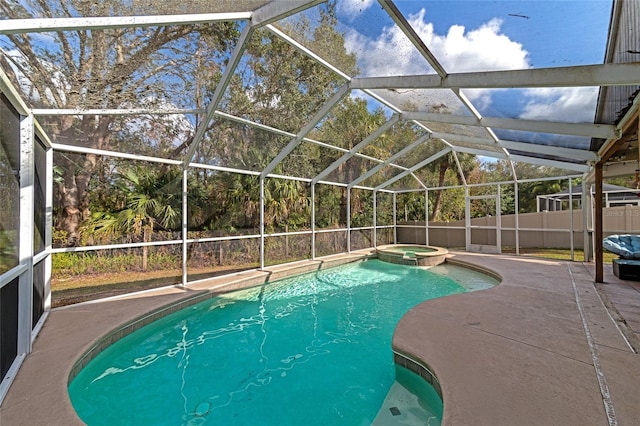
{"x":20,"y":26}
{"x":337,"y":97}
{"x":279,"y":9}
{"x":329,"y":66}
{"x":391,"y":159}
{"x":366,"y":141}
{"x":577,"y":76}
{"x":413,"y":169}
{"x":557,"y":151}
{"x":308,"y":52}
{"x":6,"y":88}
{"x":484,"y":153}
{"x":459,"y":167}
{"x":304,"y":139}
{"x":604,"y":131}
{"x":117,"y":111}
{"x":582,"y":168}
{"x":217,"y":113}
{"x":574,"y":154}
{"x":415,"y":39}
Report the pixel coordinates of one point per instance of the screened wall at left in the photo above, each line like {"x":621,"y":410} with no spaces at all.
{"x":25,"y":231}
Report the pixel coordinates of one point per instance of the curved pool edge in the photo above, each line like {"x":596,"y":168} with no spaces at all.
{"x":451,"y":258}
{"x":415,"y":362}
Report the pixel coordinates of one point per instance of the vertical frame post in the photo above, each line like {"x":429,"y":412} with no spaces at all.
{"x":426,"y":217}
{"x":261,"y":223}
{"x":48,"y":230}
{"x":313,"y":221}
{"x":348,"y":218}
{"x":571,"y":219}
{"x":185,"y":212}
{"x":516,"y":217}
{"x":498,"y":220}
{"x":25,"y":247}
{"x":395,"y":219}
{"x":375,"y":219}
{"x":597,"y":238}
{"x":467,"y":219}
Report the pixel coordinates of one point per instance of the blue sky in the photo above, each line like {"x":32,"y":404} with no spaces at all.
{"x":555,"y":33}
{"x":488,"y":35}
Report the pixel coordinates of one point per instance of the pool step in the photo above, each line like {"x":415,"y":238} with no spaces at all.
{"x":409,"y":258}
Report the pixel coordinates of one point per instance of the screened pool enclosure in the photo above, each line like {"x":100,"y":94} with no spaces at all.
{"x":185,"y":140}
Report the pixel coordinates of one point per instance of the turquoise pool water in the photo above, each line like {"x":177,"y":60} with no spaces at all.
{"x":313,"y":349}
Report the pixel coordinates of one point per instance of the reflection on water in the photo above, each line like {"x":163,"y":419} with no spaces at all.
{"x":314,"y":349}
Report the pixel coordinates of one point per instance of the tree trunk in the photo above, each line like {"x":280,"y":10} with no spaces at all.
{"x":437,"y":204}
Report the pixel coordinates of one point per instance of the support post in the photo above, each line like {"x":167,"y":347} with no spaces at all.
{"x":426,"y":217}
{"x":571,"y":219}
{"x":313,"y":222}
{"x":348,"y":218}
{"x":467,"y":219}
{"x":375,"y":221}
{"x":25,"y":241}
{"x":598,"y":225}
{"x":261,"y":223}
{"x":184,"y":226}
{"x":586,"y":214}
{"x":395,"y":219}
{"x":498,"y":221}
{"x":516,"y":217}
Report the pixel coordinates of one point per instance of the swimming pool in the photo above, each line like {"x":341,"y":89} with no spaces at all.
{"x":312,"y":349}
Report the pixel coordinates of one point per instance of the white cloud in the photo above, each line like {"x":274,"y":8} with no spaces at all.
{"x":460,"y":50}
{"x":569,"y":104}
{"x":481,"y":49}
{"x":484,"y":48}
{"x":353,"y":8}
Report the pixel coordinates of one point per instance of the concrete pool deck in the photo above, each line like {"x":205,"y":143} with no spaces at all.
{"x":529,"y":351}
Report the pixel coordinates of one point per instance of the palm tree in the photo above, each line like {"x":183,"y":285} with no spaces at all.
{"x":152,"y":201}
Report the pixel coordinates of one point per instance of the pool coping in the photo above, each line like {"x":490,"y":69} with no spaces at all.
{"x":39,"y":395}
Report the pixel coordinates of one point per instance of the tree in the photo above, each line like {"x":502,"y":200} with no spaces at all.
{"x":348,"y":124}
{"x":113,"y":68}
{"x":151,"y":201}
{"x":445,"y":163}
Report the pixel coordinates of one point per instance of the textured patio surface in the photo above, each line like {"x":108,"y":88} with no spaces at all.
{"x":529,"y":351}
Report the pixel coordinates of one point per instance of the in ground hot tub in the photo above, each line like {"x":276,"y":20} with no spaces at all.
{"x":412,"y":254}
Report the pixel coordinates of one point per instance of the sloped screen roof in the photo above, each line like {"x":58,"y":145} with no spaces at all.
{"x":276,"y":87}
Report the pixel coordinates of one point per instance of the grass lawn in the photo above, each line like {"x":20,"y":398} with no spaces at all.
{"x":561,"y":254}
{"x":76,"y":289}
{"x":66,"y":291}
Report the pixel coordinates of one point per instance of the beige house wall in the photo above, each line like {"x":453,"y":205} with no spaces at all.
{"x":537,"y":230}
